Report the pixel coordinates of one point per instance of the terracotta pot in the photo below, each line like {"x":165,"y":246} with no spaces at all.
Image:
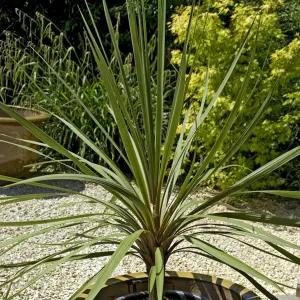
{"x":207,"y":286}
{"x":13,"y":158}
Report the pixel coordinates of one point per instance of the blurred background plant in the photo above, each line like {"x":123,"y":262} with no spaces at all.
{"x":22,"y":70}
{"x":278,"y":49}
{"x":65,"y":14}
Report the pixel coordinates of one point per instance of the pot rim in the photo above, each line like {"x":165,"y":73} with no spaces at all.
{"x":41,"y":117}
{"x":244,"y":292}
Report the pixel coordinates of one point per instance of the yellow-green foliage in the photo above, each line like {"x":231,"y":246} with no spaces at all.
{"x":225,"y":23}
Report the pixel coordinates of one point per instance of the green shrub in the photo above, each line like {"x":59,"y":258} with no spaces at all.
{"x":226,"y":23}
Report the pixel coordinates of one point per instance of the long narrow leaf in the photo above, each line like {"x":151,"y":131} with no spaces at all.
{"x":286,"y":194}
{"x":261,"y":218}
{"x":252,"y":177}
{"x":229,"y":259}
{"x":160,"y":272}
{"x":250,"y":278}
{"x":114,"y":261}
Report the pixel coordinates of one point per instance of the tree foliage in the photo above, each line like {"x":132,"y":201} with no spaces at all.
{"x":277,"y":58}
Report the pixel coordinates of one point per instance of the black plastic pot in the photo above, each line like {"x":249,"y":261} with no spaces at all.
{"x":174,"y":295}
{"x":133,"y":286}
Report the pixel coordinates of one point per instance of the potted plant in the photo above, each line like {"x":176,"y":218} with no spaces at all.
{"x":152,"y":218}
{"x":14,"y":158}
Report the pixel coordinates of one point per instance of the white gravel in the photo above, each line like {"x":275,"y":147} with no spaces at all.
{"x":61,"y":283}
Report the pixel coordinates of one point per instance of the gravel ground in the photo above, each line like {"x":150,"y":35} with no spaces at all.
{"x":61,"y":283}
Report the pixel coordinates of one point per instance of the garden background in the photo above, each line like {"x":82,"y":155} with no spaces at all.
{"x":52,"y":30}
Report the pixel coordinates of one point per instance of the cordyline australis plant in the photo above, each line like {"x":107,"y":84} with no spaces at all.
{"x":152,"y":219}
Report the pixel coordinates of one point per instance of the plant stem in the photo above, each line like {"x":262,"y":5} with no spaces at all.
{"x":153,"y":294}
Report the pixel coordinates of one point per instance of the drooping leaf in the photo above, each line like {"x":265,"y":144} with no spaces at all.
{"x":114,"y":261}
{"x":229,"y":260}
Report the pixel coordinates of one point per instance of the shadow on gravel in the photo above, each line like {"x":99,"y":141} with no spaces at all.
{"x":263,"y":203}
{"x":25,"y":189}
